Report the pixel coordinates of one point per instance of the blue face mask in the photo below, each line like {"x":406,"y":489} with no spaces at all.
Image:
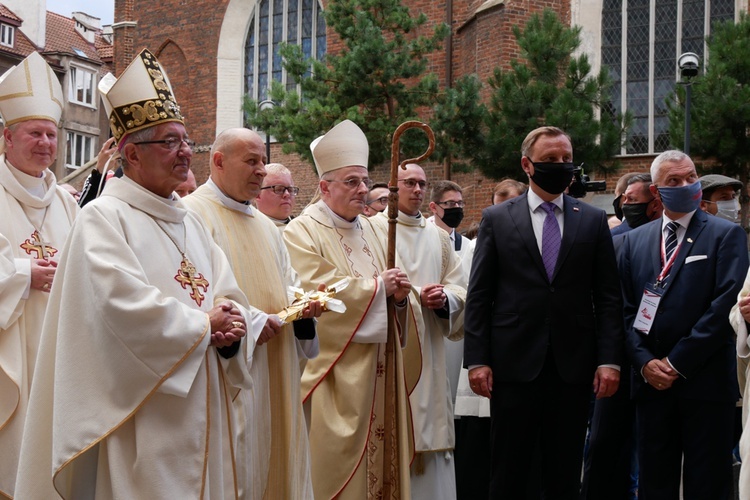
{"x":681,"y":199}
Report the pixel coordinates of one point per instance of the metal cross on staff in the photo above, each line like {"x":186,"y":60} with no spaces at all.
{"x":390,"y":448}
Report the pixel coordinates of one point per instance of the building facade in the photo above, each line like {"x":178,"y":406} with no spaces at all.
{"x":216,"y":55}
{"x":80,"y":52}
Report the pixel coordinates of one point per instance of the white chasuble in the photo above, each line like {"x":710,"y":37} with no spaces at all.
{"x":129,"y":399}
{"x":274,"y":428}
{"x":35,"y":218}
{"x":343,"y":388}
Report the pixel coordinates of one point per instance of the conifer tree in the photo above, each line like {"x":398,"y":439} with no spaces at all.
{"x":550,"y":86}
{"x":720,"y":105}
{"x":378,"y":79}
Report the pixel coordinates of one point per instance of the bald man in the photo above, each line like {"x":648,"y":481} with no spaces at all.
{"x":274,"y":427}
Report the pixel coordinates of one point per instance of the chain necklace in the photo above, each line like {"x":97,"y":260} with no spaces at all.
{"x":186,"y":276}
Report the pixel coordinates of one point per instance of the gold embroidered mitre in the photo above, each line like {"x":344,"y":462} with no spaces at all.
{"x":345,"y":145}
{"x":140,"y":98}
{"x":30,"y":91}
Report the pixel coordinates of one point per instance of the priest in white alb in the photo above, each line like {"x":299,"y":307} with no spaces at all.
{"x":344,"y":388}
{"x":35,"y":217}
{"x":138,"y":364}
{"x":437,"y":300}
{"x":274,"y":425}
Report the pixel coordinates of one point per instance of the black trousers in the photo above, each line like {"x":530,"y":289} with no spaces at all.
{"x":546,"y":411}
{"x":692,"y":438}
{"x":607,"y":465}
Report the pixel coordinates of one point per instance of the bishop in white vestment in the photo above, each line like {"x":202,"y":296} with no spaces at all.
{"x":36,"y":218}
{"x":138,"y":364}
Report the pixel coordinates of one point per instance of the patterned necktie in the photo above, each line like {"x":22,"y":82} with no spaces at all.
{"x":550,"y":239}
{"x":670,"y":242}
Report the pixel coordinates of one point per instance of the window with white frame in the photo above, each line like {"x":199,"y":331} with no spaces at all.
{"x":79,"y":149}
{"x":641,"y":41}
{"x":82,"y":83}
{"x":7,"y":34}
{"x":274,"y":22}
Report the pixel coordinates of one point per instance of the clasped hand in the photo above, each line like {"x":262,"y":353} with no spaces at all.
{"x":227,"y":324}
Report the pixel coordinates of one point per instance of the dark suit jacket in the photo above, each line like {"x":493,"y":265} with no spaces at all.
{"x":514,"y":314}
{"x":691,"y":326}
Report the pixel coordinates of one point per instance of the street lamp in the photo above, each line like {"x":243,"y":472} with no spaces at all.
{"x":689,"y":62}
{"x":263,"y":105}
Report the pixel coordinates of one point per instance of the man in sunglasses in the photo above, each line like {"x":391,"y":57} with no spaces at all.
{"x":278,"y":195}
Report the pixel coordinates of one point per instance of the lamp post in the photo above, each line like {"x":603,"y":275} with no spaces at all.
{"x":689,"y":63}
{"x":263,"y":105}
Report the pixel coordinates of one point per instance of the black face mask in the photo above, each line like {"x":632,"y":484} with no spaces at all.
{"x":452,"y":217}
{"x":635,"y":214}
{"x":618,"y":208}
{"x":553,"y":178}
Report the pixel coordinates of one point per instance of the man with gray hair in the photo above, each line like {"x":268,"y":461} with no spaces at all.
{"x":680,"y":278}
{"x":36,"y":217}
{"x":138,"y":364}
{"x":344,"y":389}
{"x":278,"y":195}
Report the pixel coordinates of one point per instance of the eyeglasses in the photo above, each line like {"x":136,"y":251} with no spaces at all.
{"x":411,"y":183}
{"x":383,"y":200}
{"x":172,"y":144}
{"x":451,"y":204}
{"x":281,"y":189}
{"x":354,"y":182}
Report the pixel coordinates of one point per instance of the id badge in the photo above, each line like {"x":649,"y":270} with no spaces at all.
{"x":644,"y":318}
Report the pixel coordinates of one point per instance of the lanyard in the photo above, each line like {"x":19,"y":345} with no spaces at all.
{"x":668,"y":265}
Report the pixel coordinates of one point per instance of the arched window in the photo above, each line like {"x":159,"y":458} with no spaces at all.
{"x":641,"y":41}
{"x":274,"y":22}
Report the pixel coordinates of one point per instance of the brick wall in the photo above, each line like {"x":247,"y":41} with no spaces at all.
{"x":184,"y":37}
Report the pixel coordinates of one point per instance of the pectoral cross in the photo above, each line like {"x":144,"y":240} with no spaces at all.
{"x":43,"y":249}
{"x":187,"y":277}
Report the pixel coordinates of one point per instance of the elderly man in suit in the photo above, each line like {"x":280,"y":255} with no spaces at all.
{"x":543,"y":320}
{"x":680,"y":277}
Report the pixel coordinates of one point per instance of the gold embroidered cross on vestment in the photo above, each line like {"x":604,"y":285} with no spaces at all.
{"x":187,"y":276}
{"x":43,"y":249}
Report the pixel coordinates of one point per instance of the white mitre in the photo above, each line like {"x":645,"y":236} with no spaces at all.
{"x":140,"y":98}
{"x":30,"y":91}
{"x":345,"y":145}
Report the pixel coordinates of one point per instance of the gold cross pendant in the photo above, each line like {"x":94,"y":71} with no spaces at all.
{"x":43,"y":249}
{"x":189,"y":278}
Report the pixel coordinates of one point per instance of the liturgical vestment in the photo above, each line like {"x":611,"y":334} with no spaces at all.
{"x":427,"y":256}
{"x":129,"y":399}
{"x":274,"y":427}
{"x":743,"y":371}
{"x":35,"y":217}
{"x":343,"y":388}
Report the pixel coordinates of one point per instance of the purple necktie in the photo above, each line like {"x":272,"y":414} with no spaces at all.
{"x":550,"y":239}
